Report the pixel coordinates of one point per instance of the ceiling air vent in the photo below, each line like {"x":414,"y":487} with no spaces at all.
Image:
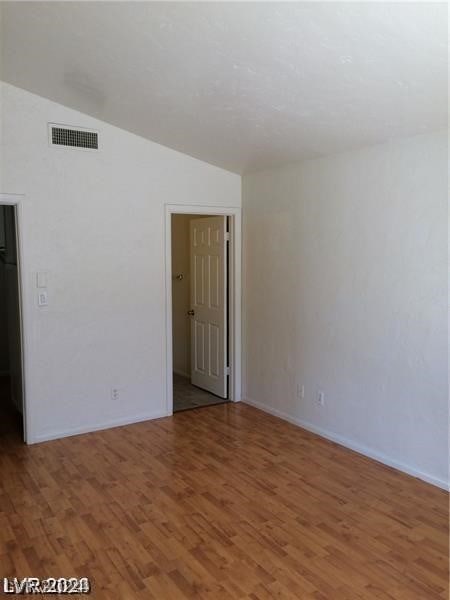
{"x":73,"y":137}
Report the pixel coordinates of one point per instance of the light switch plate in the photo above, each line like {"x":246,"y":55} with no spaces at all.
{"x":41,"y":279}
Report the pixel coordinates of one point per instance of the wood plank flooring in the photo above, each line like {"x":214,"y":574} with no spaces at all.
{"x":224,"y":502}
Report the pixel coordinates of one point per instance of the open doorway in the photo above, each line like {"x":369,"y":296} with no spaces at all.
{"x":200,"y":310}
{"x":234,"y":252}
{"x":11,"y":380}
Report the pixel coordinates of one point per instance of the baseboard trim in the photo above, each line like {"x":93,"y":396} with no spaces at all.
{"x":56,"y":435}
{"x":355,"y":446}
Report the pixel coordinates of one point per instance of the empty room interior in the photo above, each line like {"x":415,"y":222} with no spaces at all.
{"x":224,"y":300}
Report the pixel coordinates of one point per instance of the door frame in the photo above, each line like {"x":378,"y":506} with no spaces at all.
{"x":16,"y":200}
{"x":234,"y":293}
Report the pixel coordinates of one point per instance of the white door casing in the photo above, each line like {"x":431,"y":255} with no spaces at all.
{"x":234,"y":216}
{"x":208,"y":258}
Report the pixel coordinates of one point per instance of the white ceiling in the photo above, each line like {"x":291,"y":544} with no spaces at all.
{"x":241,"y":85}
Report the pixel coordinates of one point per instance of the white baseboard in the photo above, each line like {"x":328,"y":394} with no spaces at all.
{"x":55,"y":435}
{"x":369,"y":452}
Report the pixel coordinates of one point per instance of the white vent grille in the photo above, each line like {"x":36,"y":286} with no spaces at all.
{"x":73,"y":137}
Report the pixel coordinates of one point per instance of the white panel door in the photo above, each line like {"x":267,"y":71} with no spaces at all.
{"x":209,"y":304}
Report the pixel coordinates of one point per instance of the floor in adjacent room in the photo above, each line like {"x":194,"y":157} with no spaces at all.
{"x":186,"y":395}
{"x":222,"y":503}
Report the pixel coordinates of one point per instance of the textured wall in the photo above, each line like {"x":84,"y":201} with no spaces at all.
{"x":345,"y":291}
{"x":95,"y":222}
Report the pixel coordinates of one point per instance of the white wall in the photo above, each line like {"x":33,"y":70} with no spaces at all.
{"x":345,"y":291}
{"x":95,"y":222}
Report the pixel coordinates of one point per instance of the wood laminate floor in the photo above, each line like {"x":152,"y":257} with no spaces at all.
{"x":222,"y":503}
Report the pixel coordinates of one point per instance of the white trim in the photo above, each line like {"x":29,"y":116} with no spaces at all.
{"x":355,"y":446}
{"x":235,"y":287}
{"x":55,"y":435}
{"x":16,"y":200}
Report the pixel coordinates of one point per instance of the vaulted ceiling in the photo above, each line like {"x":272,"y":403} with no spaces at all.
{"x":244,"y":86}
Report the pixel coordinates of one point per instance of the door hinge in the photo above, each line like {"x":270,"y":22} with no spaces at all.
{"x":227,"y":236}
{"x":227,"y":370}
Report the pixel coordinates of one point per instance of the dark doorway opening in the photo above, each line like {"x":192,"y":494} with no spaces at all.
{"x":11,"y":389}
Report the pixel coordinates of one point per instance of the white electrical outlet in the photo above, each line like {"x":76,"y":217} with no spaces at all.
{"x":321,"y":398}
{"x":114,"y":394}
{"x":43,"y":298}
{"x":300,"y":391}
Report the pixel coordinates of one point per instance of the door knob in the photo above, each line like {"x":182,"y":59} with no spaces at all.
{"x":191,"y":313}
